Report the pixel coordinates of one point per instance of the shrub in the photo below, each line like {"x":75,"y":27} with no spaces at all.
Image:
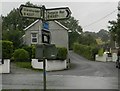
{"x":33,"y":51}
{"x":94,"y":52}
{"x":100,"y":52}
{"x":20,"y":54}
{"x":62,"y":53}
{"x":84,"y":50}
{"x":7,"y":49}
{"x":30,"y":50}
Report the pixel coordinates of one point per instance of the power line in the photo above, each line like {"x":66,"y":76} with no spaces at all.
{"x":99,"y":19}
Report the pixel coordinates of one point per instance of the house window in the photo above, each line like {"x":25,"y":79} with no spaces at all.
{"x":34,"y":38}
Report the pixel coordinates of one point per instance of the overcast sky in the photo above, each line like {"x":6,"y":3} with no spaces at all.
{"x":92,"y":16}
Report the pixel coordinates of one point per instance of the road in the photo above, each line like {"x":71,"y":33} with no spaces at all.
{"x":83,"y":74}
{"x":83,"y":67}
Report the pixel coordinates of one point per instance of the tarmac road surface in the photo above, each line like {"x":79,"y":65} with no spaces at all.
{"x":83,"y":74}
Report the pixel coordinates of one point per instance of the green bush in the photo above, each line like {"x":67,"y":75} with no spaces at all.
{"x":33,"y":51}
{"x":84,"y":50}
{"x":30,"y":50}
{"x":94,"y":52}
{"x":62,"y":53}
{"x":7,"y":49}
{"x":20,"y":54}
{"x":100,"y":52}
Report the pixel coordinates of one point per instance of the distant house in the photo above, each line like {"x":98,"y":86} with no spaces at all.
{"x":59,"y":34}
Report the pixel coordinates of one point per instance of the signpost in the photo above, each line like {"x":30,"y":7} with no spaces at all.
{"x":45,"y":15}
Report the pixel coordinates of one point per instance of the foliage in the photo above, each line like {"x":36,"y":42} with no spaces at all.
{"x":14,"y":36}
{"x":114,"y":29}
{"x":30,"y":50}
{"x":72,"y":24}
{"x":73,"y":37}
{"x":20,"y":55}
{"x":100,"y":52}
{"x":85,"y":51}
{"x":33,"y":51}
{"x":118,"y":32}
{"x":13,"y":25}
{"x":24,"y":64}
{"x":62,"y":53}
{"x":104,"y":35}
{"x":7,"y":49}
{"x":87,"y":40}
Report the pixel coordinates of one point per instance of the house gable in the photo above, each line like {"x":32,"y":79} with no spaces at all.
{"x":59,"y":33}
{"x":55,"y":25}
{"x":36,"y":25}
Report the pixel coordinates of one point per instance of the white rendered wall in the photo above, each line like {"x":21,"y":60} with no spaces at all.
{"x":114,"y":57}
{"x":101,"y":58}
{"x":105,"y":58}
{"x":36,"y":64}
{"x":56,"y":65}
{"x":51,"y":65}
{"x":5,"y":68}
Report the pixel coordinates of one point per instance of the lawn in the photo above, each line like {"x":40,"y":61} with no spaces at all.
{"x":26,"y":65}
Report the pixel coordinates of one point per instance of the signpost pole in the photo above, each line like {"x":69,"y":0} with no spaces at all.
{"x":44,"y":59}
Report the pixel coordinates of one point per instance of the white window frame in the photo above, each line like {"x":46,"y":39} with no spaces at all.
{"x":34,"y":37}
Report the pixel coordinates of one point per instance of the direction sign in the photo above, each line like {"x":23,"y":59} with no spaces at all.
{"x":57,"y":13}
{"x":31,"y":12}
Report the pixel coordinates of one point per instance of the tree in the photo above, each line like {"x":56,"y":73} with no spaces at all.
{"x":72,"y":24}
{"x":118,"y":32}
{"x":87,"y":39}
{"x":114,"y":31}
{"x":13,"y":25}
{"x":104,"y":35}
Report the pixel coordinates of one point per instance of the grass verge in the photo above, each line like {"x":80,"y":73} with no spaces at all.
{"x":26,"y":65}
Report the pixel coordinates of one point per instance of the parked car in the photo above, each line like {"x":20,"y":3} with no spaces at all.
{"x":118,"y":63}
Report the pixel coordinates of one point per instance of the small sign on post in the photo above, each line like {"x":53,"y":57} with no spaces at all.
{"x":45,"y":33}
{"x":45,"y":37}
{"x":46,"y":26}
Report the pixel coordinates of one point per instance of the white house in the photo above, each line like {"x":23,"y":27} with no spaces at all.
{"x":59,"y":33}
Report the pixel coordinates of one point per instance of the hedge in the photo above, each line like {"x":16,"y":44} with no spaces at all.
{"x":85,"y":51}
{"x":100,"y":52}
{"x":30,"y":50}
{"x":20,"y":55}
{"x":62,"y":53}
{"x":7,"y":49}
